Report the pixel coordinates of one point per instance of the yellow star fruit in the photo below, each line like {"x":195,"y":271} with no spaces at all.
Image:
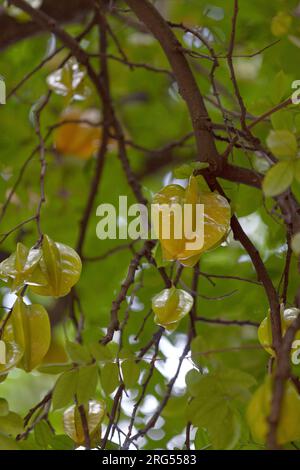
{"x":20,"y":268}
{"x":29,"y":327}
{"x":13,"y":354}
{"x":217,"y":215}
{"x":60,"y":266}
{"x":78,"y":139}
{"x":170,"y":306}
{"x":258,"y":412}
{"x":94,"y":412}
{"x":265,"y":332}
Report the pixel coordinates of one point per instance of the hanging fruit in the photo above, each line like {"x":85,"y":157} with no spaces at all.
{"x":21,"y":268}
{"x":170,"y":306}
{"x":94,"y":412}
{"x":217,"y":214}
{"x":76,"y":137}
{"x":60,"y":266}
{"x":29,"y":327}
{"x":258,"y":412}
{"x":2,"y":352}
{"x":11,"y":356}
{"x":265,"y":330}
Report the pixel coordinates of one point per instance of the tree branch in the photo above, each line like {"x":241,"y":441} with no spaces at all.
{"x":188,"y":87}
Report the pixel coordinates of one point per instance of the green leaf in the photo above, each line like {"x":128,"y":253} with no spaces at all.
{"x":29,"y":444}
{"x":202,"y":440}
{"x":297,"y":122}
{"x":7,"y":443}
{"x":11,"y":424}
{"x":230,"y":382}
{"x":4,"y":409}
{"x":297,"y":170}
{"x":62,"y":442}
{"x":43,"y":434}
{"x":215,"y":414}
{"x":87,"y":383}
{"x":192,"y":380}
{"x":247,"y":200}
{"x":278,"y":179}
{"x":280,"y":87}
{"x":109,"y":377}
{"x":283,"y":120}
{"x":100,"y":353}
{"x":283,"y":144}
{"x":296,"y":244}
{"x":198,"y":345}
{"x":216,"y":393}
{"x":228,"y":436}
{"x":205,"y":410}
{"x":234,"y":380}
{"x":175,"y":407}
{"x":65,"y":389}
{"x":54,"y":369}
{"x":78,"y":353}
{"x":131,"y":373}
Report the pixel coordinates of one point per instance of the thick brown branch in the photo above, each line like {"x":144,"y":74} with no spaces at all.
{"x":114,"y":322}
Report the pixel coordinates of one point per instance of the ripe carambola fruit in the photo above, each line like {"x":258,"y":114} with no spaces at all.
{"x":13,"y":355}
{"x":217,"y":215}
{"x":29,"y":327}
{"x":94,"y":412}
{"x":61,"y":268}
{"x":20,"y":267}
{"x":258,"y":411}
{"x":170,"y":306}
{"x":77,"y":139}
{"x":50,"y":270}
{"x":265,"y":331}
